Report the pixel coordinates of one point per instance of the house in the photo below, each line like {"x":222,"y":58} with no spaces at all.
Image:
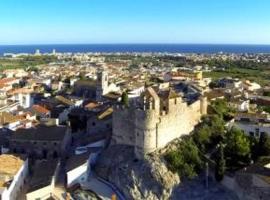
{"x":22,"y":95}
{"x":7,"y":120}
{"x":77,"y":169}
{"x":251,"y":86}
{"x":40,"y":112}
{"x":229,"y":83}
{"x":253,"y":124}
{"x":13,"y":174}
{"x":41,"y":142}
{"x":18,"y":73}
{"x":42,"y":182}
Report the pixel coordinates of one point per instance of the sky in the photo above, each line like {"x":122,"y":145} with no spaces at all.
{"x":134,"y":21}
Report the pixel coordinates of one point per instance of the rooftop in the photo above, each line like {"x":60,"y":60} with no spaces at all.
{"x":76,"y":161}
{"x":40,"y":133}
{"x":43,"y":173}
{"x":9,"y":167}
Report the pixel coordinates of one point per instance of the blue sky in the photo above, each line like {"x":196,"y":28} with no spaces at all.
{"x":134,"y":21}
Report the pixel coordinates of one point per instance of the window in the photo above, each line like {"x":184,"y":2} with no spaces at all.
{"x":251,"y":134}
{"x":262,"y":133}
{"x":257,"y":132}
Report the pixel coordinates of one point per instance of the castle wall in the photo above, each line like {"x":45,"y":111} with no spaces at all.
{"x":151,"y":129}
{"x":179,"y":121}
{"x":146,"y":131}
{"x":123,"y":126}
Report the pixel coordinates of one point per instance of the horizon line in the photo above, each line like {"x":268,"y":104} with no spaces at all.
{"x":151,"y":43}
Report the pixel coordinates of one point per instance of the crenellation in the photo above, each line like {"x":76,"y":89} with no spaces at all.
{"x":156,"y":123}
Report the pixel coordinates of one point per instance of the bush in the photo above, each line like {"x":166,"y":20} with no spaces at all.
{"x":185,"y":160}
{"x":209,"y":133}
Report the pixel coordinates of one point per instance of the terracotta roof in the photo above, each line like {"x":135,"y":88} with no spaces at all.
{"x":6,"y":80}
{"x":20,"y":91}
{"x":92,"y":105}
{"x":40,"y":109}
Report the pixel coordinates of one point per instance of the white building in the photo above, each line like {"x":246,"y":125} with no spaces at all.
{"x":23,"y":96}
{"x":251,"y":86}
{"x":13,"y":173}
{"x":78,"y":169}
{"x":253,"y":124}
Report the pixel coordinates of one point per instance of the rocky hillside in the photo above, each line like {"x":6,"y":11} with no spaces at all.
{"x":138,"y":179}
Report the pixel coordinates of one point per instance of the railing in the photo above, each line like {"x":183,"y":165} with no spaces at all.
{"x":113,"y":187}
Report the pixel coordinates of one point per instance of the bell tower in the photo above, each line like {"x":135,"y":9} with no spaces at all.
{"x":102,"y":84}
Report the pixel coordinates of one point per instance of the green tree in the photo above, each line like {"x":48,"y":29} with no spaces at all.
{"x":210,"y":132}
{"x":124,"y":99}
{"x":237,"y":146}
{"x":185,"y":160}
{"x":220,"y":164}
{"x":202,"y":137}
{"x":221,"y":107}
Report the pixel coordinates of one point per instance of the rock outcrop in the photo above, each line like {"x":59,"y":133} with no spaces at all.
{"x":138,"y":179}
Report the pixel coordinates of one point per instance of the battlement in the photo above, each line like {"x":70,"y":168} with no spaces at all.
{"x":155,"y":120}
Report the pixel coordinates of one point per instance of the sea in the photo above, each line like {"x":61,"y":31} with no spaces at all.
{"x":139,"y":48}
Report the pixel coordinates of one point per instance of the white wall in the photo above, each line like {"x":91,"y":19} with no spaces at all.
{"x":17,"y":184}
{"x":251,"y":127}
{"x":42,"y":194}
{"x":77,"y":175}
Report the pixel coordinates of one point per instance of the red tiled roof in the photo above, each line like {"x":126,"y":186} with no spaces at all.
{"x":6,"y":80}
{"x":40,"y":109}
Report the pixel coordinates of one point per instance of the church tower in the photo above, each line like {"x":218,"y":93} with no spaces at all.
{"x":102,"y":84}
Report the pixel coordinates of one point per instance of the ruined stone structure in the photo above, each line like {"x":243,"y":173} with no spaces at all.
{"x":155,"y":120}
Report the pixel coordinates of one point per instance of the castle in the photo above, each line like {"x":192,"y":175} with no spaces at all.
{"x":156,"y":119}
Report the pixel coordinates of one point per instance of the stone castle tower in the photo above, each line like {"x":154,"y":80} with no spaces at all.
{"x":156,"y":120}
{"x":102,"y":84}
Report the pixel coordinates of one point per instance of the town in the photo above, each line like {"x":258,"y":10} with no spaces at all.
{"x":134,"y":126}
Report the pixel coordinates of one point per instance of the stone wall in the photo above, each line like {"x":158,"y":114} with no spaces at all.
{"x":123,"y":126}
{"x":179,"y":121}
{"x":149,"y":128}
